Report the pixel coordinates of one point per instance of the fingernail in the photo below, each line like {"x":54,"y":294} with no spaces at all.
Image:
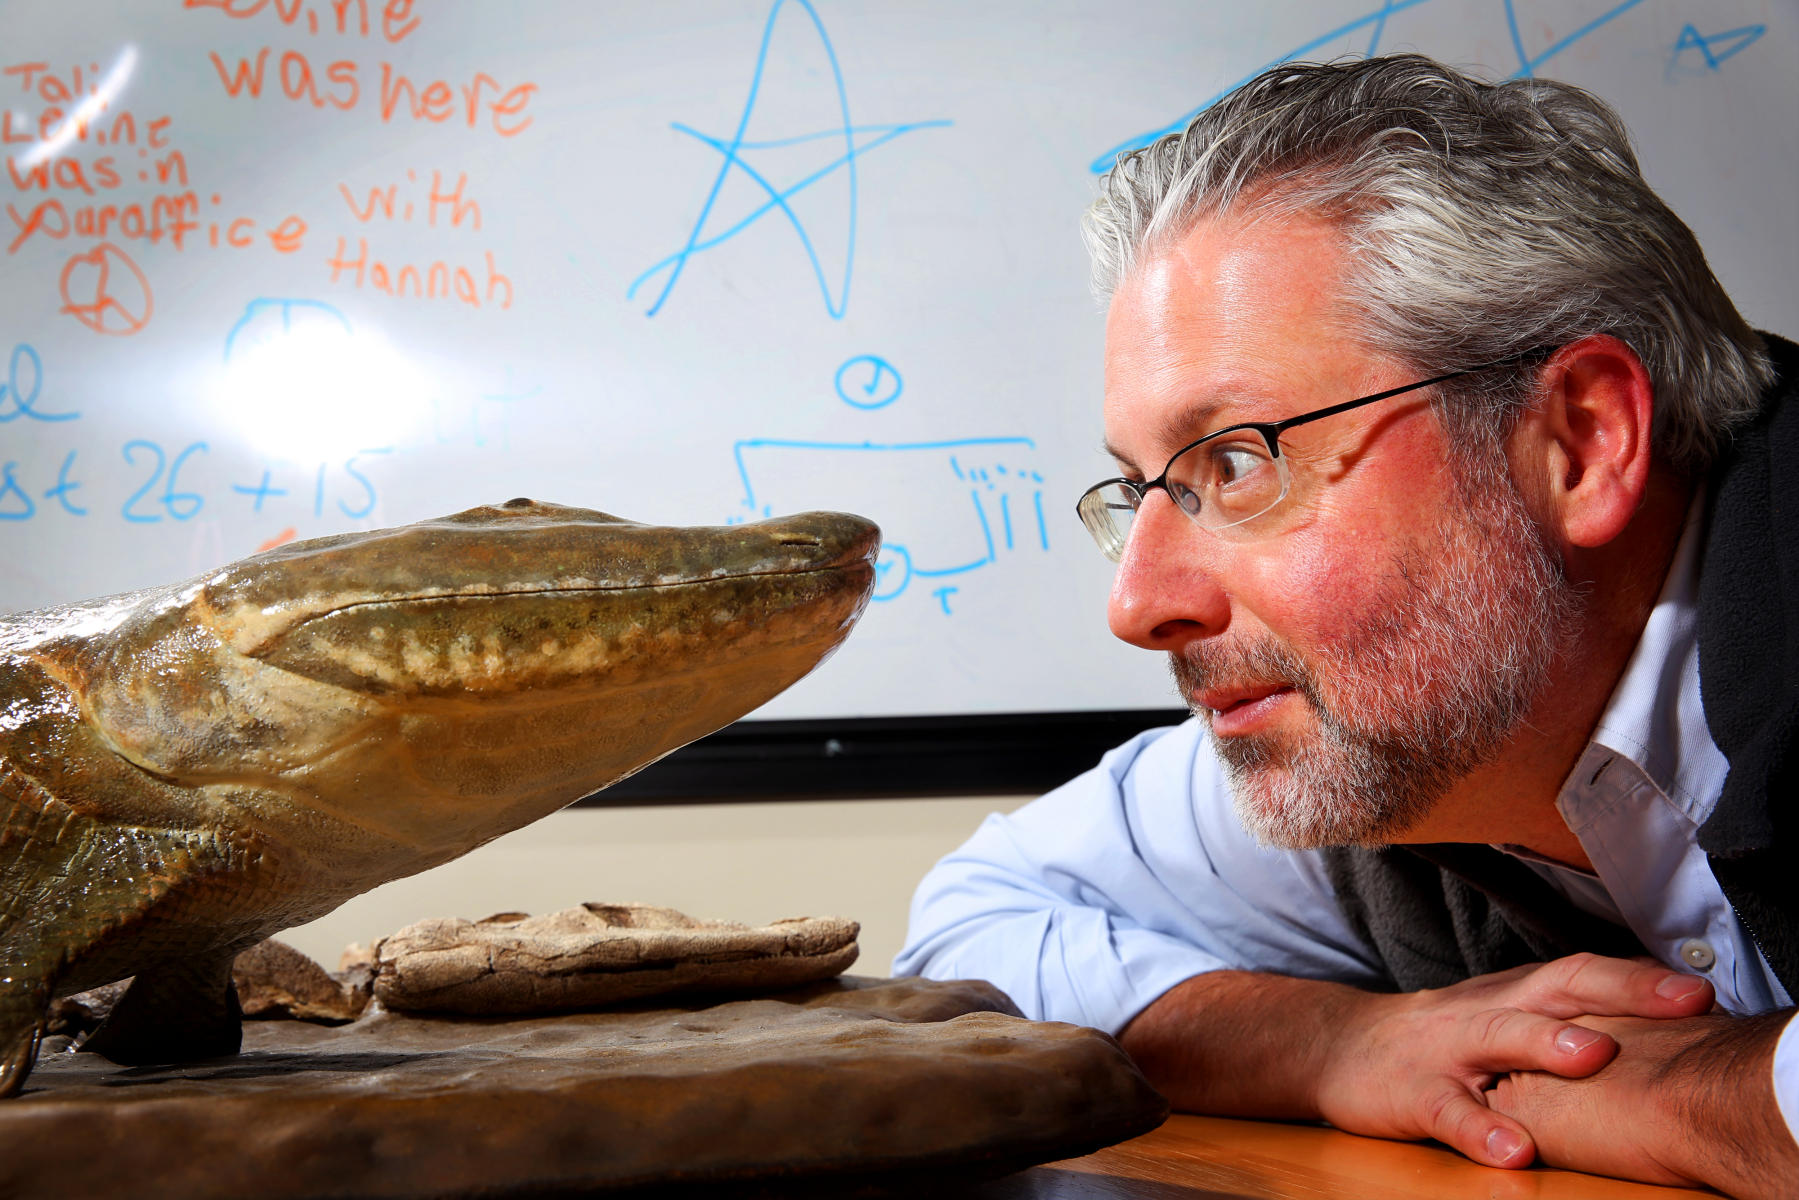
{"x":1503,"y":1144}
{"x":1679,"y":987}
{"x":1574,"y":1039}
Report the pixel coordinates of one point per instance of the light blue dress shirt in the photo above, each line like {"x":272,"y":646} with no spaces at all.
{"x":1089,"y":903}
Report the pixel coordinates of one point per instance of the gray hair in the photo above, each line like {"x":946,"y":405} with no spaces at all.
{"x":1480,"y":221}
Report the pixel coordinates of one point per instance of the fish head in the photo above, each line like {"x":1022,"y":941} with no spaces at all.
{"x":447,"y":681}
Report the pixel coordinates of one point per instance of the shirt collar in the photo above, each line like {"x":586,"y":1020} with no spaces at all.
{"x":1654,"y":716}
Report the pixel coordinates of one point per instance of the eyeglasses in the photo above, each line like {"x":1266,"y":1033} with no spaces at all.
{"x":1228,"y":477}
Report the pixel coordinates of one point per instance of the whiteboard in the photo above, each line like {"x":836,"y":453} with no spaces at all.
{"x":687,"y":262}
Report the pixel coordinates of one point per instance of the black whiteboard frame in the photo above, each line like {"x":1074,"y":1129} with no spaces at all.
{"x":884,"y":757}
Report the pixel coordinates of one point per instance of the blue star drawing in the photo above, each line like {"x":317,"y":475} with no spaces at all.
{"x":857,"y":140}
{"x":1713,"y":48}
{"x":1375,"y":22}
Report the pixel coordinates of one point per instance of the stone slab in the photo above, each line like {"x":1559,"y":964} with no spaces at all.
{"x":599,"y":954}
{"x":848,"y":1082}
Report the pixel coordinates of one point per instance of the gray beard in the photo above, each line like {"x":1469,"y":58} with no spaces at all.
{"x":1432,"y":687}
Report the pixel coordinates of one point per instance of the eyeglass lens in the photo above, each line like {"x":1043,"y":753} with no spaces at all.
{"x":1221,"y":482}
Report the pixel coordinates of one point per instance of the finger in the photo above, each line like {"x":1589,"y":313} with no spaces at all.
{"x":1510,"y":1039}
{"x":1459,"y":1121}
{"x":1613,"y":987}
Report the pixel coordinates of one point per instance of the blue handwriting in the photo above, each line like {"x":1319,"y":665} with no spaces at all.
{"x":282,"y":308}
{"x":24,"y":384}
{"x":154,"y":478}
{"x":991,"y":487}
{"x":1716,"y":47}
{"x":182,"y":506}
{"x":883,"y":387}
{"x":12,"y":495}
{"x":318,"y":493}
{"x":1376,"y":22}
{"x":733,"y":152}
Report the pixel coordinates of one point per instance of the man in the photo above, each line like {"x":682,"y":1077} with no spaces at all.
{"x":1461,"y":499}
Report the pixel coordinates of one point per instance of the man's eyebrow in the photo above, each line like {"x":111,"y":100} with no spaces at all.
{"x":1118,"y":456}
{"x":1174,"y":429}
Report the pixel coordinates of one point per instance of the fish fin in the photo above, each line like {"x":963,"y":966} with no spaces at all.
{"x":20,"y":1033}
{"x":174,"y":1012}
{"x":67,"y":883}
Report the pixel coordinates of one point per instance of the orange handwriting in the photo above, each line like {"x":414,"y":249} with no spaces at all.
{"x":106,"y":291}
{"x":437,"y":281}
{"x":172,"y":216}
{"x":482,"y":100}
{"x":16,"y":129}
{"x":393,"y":203}
{"x":396,"y":15}
{"x":298,"y":80}
{"x":281,"y":539}
{"x":103,"y":173}
{"x":52,"y":88}
{"x":164,"y":216}
{"x":66,"y":173}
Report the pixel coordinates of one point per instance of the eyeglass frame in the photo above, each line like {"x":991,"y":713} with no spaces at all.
{"x":1271,"y":432}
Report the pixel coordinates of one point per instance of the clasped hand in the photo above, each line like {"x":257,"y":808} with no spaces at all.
{"x":1569,"y":1063}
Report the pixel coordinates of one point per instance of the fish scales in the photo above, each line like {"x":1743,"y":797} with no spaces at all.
{"x":186,"y":770}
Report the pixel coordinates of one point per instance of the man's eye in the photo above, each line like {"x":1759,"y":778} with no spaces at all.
{"x":1231,"y":464}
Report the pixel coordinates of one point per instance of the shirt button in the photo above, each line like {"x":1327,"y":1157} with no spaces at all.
{"x":1697,"y":954}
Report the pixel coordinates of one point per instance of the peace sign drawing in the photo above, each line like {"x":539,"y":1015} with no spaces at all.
{"x":106,"y":291}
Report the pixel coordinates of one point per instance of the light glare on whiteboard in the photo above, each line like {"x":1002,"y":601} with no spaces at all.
{"x":320,"y":392}
{"x":91,"y":107}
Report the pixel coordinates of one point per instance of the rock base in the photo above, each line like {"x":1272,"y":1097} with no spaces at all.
{"x":853,"y":1080}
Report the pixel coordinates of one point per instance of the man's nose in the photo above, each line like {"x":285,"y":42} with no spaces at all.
{"x":1167,"y":590}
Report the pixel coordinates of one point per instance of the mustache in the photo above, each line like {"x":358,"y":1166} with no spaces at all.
{"x":1201,"y":666}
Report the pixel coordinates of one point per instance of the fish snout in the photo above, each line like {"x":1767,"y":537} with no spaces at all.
{"x":535,"y":600}
{"x":824,"y":541}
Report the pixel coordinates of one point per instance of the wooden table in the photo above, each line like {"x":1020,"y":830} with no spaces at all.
{"x":1214,"y":1158}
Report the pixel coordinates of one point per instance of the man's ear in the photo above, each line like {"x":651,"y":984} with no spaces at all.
{"x":1588,"y":439}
